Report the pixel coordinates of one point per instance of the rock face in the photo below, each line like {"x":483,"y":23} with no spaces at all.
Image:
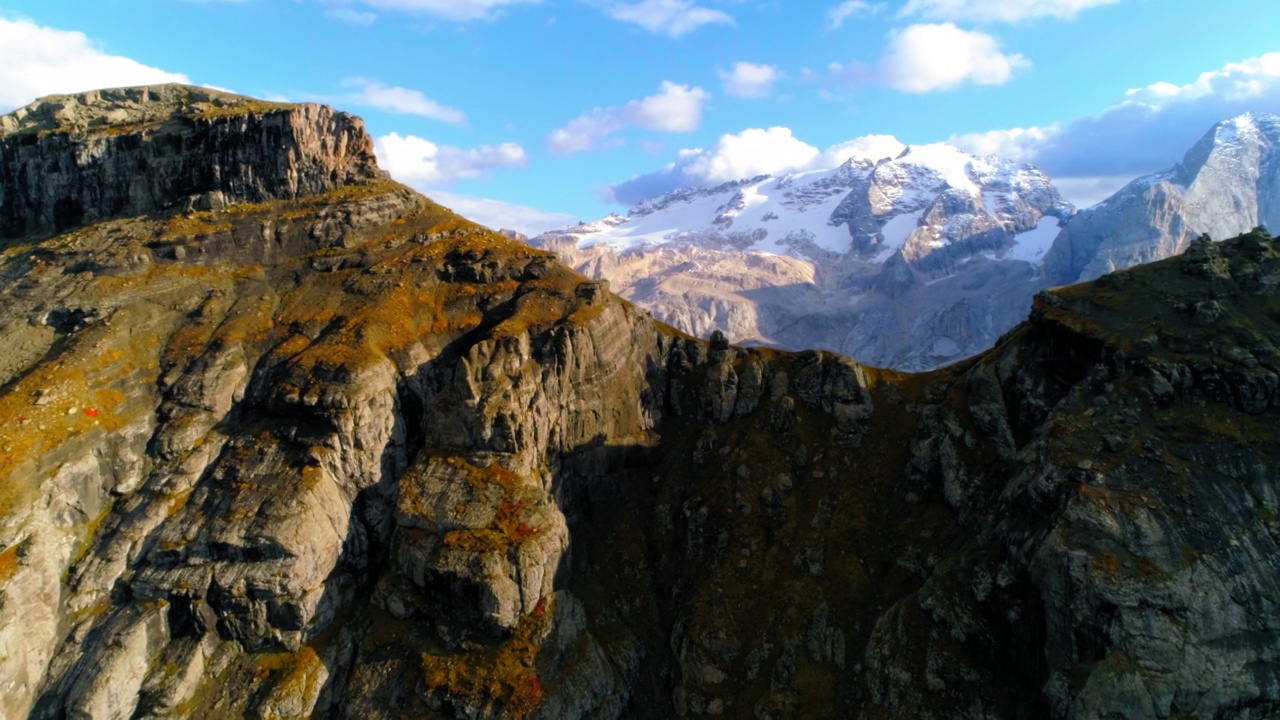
{"x":349,"y":455}
{"x":907,"y":262}
{"x":1227,"y":184}
{"x":73,"y":160}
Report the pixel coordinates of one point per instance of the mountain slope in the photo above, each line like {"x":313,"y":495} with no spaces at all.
{"x":1227,"y":183}
{"x":348,"y":455}
{"x":908,"y":262}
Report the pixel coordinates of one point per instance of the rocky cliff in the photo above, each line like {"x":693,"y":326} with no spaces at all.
{"x":345,"y":454}
{"x":74,"y":160}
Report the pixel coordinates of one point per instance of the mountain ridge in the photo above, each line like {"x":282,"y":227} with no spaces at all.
{"x":350,"y":455}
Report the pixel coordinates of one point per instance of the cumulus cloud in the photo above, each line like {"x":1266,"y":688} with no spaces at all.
{"x":422,"y":163}
{"x":926,"y":58}
{"x":457,"y":10}
{"x":1018,"y":144}
{"x":850,"y":8}
{"x":667,"y":17}
{"x":675,"y":109}
{"x":747,"y":154}
{"x":403,"y":101}
{"x":749,"y":80}
{"x":43,"y":61}
{"x":501,"y":215}
{"x":997,"y":10}
{"x":1147,"y":130}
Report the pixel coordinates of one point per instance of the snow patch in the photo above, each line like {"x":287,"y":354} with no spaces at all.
{"x":1032,"y":245}
{"x":896,"y":232}
{"x":949,"y":162}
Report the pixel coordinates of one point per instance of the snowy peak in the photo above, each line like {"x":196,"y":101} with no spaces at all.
{"x":930,"y":201}
{"x":950,"y":164}
{"x":1226,"y":184}
{"x":1247,"y":127}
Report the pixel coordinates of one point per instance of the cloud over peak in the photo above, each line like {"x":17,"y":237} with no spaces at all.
{"x":1145,"y":131}
{"x":747,"y":154}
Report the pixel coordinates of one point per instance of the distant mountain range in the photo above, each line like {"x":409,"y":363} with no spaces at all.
{"x":913,"y":261}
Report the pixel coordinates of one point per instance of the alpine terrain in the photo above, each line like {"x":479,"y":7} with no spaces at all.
{"x":907,"y":262}
{"x":812,"y":260}
{"x":281,"y":438}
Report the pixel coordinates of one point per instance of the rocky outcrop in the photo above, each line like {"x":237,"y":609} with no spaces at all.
{"x":349,"y":455}
{"x":72,"y":160}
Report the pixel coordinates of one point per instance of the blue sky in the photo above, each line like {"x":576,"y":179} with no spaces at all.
{"x":534,"y":113}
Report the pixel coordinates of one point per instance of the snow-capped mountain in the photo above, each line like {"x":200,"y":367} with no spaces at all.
{"x":908,"y":262}
{"x":929,"y":198}
{"x":1227,"y":184}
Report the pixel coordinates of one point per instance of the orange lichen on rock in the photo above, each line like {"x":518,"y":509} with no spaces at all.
{"x":505,"y":675}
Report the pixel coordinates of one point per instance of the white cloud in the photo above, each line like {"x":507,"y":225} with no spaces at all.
{"x":873,"y":147}
{"x":667,"y":17}
{"x":675,"y":109}
{"x":747,"y":154}
{"x":927,"y":58}
{"x":1251,"y":79}
{"x":749,"y":80}
{"x":458,"y":10}
{"x":421,"y":163}
{"x":501,"y":215}
{"x":1018,"y":144}
{"x":41,"y":61}
{"x":850,"y":8}
{"x":400,"y":100}
{"x":351,"y":16}
{"x":997,"y":10}
{"x":1148,"y":130}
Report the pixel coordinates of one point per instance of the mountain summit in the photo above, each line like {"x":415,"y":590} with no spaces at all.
{"x":1228,"y":183}
{"x":327,"y":450}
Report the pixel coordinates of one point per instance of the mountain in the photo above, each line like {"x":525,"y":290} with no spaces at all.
{"x":1228,"y":183}
{"x":325,"y":449}
{"x":908,"y":262}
